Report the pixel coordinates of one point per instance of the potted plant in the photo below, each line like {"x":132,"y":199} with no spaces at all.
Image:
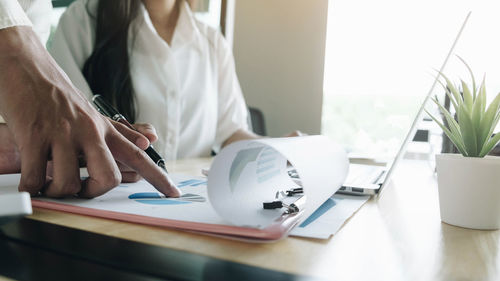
{"x":469,"y":183}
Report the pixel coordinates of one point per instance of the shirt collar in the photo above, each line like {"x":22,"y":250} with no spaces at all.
{"x":186,"y":29}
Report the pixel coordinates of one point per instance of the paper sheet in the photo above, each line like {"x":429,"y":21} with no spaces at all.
{"x":143,"y":199}
{"x":247,"y":173}
{"x":330,"y":216}
{"x":241,"y":177}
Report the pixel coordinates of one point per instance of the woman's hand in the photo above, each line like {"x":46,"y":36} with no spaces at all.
{"x":249,"y":135}
{"x":295,"y":134}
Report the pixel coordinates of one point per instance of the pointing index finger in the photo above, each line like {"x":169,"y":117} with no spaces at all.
{"x":135,"y":158}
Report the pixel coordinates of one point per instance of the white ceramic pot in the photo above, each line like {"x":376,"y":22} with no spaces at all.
{"x":469,"y":190}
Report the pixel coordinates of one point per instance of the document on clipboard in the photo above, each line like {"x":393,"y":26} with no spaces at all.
{"x":231,"y":201}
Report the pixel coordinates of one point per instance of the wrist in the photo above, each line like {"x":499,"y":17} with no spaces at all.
{"x":20,"y":51}
{"x":15,"y":40}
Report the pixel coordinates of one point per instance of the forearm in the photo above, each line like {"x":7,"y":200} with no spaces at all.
{"x":10,"y":159}
{"x":248,"y":135}
{"x":25,"y":62}
{"x":12,"y":40}
{"x":21,"y":45}
{"x":11,"y":15}
{"x":241,"y":135}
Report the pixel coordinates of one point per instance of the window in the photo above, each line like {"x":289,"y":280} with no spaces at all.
{"x":380,"y":61}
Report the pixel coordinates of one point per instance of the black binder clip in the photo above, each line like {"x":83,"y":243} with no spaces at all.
{"x":294,"y":191}
{"x":291,"y":208}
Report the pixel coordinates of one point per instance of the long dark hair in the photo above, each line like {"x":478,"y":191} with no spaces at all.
{"x":107,"y":70}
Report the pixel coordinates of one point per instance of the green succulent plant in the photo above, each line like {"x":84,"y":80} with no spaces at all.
{"x":473,"y":131}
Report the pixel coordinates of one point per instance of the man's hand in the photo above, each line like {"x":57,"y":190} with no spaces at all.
{"x":50,"y":119}
{"x":10,"y":158}
{"x":147,"y":130}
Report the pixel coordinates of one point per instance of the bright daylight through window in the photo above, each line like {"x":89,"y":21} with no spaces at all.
{"x":381,"y":58}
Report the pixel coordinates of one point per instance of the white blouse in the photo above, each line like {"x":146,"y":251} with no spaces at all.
{"x":188,"y":91}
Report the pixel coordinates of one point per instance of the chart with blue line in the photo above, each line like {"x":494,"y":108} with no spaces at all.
{"x":267,"y":167}
{"x":267,"y":163}
{"x":192,"y":182}
{"x":325,"y":207}
{"x":156,"y":198}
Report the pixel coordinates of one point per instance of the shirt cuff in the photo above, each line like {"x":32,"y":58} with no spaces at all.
{"x":11,"y":14}
{"x":1,"y":120}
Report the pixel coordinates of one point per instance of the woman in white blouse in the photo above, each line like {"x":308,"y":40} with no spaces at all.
{"x":157,"y":64}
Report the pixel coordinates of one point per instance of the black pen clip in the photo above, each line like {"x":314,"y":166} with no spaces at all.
{"x":278,"y":203}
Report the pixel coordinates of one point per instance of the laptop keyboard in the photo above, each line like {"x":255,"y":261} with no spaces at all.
{"x":359,"y":175}
{"x":363,"y":174}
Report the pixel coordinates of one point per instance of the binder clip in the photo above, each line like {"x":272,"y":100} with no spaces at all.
{"x":294,"y":191}
{"x":281,"y":195}
{"x":293,"y":174}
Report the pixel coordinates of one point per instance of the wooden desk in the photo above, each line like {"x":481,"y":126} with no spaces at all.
{"x":398,"y":236}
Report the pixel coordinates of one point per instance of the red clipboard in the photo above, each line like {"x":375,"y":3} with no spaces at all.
{"x":277,"y":230}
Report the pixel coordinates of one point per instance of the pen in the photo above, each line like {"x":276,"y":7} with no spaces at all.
{"x":107,"y":110}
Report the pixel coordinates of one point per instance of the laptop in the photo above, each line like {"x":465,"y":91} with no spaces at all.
{"x":365,"y":179}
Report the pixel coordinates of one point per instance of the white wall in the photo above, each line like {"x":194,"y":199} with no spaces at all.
{"x":279,"y":48}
